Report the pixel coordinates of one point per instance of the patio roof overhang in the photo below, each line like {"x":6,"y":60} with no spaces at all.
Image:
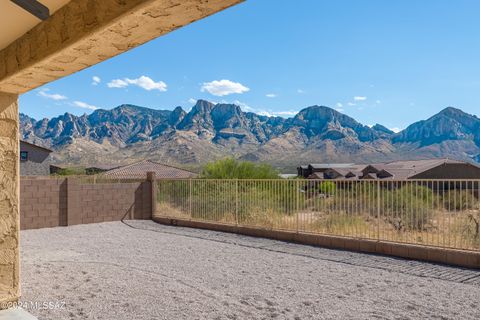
{"x":82,"y":33}
{"x":77,"y":35}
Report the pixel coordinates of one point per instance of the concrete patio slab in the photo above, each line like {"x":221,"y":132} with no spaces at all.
{"x":144,"y":270}
{"x":16,"y":314}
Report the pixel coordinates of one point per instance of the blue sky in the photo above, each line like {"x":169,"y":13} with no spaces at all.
{"x":390,"y":62}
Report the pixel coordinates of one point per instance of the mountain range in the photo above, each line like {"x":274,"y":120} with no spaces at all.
{"x":212,"y":131}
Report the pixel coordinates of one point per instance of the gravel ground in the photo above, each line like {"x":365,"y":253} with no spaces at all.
{"x":144,"y":270}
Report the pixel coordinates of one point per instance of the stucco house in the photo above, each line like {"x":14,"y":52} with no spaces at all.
{"x":34,"y":160}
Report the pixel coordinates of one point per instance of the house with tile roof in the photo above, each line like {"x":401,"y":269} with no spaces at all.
{"x":395,"y":170}
{"x":139,"y":170}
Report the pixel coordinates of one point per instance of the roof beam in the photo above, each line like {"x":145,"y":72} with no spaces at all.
{"x":34,"y":7}
{"x":85,"y":32}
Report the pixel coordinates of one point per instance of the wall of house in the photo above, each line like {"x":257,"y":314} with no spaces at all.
{"x":50,"y":202}
{"x":38,"y":163}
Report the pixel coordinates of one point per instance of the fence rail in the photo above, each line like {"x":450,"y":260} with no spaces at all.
{"x":440,"y":213}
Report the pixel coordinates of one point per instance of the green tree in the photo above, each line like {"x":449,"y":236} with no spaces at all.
{"x":233,"y":169}
{"x":72,"y":171}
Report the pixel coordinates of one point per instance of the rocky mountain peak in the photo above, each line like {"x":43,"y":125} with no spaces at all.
{"x":452,"y":112}
{"x":380,"y":128}
{"x":318,"y":120}
{"x":202,"y":107}
{"x":448,"y":124}
{"x":210,"y":131}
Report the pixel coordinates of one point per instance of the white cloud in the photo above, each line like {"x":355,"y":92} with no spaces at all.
{"x":351,"y":104}
{"x":243,"y":105}
{"x":396,"y":130}
{"x":285,"y":113}
{"x":84,"y":105}
{"x":300,"y":91}
{"x":143,"y":82}
{"x":339,"y":105}
{"x":263,"y":112}
{"x":148,"y":84}
{"x":54,"y":96}
{"x":223,"y":87}
{"x":359,"y":98}
{"x":117,"y":83}
{"x":339,"y":109}
{"x":271,"y":95}
{"x":192,"y":101}
{"x":96,"y":80}
{"x":378,"y":102}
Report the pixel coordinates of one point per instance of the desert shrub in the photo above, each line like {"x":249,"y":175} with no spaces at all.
{"x":209,"y":200}
{"x":233,"y":169}
{"x":73,"y":171}
{"x":459,"y":200}
{"x":341,"y":224}
{"x":327,"y":187}
{"x":175,"y":193}
{"x":221,"y":200}
{"x":280,"y":196}
{"x":358,"y":198}
{"x":409,"y":207}
{"x":467,"y":227}
{"x":213,"y":200}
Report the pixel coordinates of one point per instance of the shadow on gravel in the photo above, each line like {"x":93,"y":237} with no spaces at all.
{"x":374,"y":261}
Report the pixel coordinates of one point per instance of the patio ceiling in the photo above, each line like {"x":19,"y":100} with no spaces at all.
{"x":16,"y":21}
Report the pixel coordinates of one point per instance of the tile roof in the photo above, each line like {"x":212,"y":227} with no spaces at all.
{"x":36,"y":146}
{"x":398,"y":170}
{"x":408,"y":169}
{"x":317,"y":175}
{"x":139,"y":170}
{"x":331,"y":165}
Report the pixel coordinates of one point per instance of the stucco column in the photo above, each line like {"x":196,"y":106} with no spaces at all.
{"x":9,"y":200}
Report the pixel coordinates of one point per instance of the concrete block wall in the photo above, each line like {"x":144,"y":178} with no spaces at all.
{"x":43,"y":203}
{"x":66,"y":201}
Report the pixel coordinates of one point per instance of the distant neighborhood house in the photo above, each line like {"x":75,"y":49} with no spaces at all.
{"x":396,"y":170}
{"x":34,"y":160}
{"x":140,"y":169}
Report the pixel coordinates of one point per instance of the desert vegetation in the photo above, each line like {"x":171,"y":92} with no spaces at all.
{"x":421,"y":212}
{"x":231,"y":168}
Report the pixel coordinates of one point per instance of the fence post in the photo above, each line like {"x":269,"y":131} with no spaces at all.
{"x":297,"y":200}
{"x":190,"y":209}
{"x":378,"y":209}
{"x":153,"y":193}
{"x":236,"y":202}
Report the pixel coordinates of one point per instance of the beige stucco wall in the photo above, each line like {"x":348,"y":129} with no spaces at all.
{"x":9,"y":199}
